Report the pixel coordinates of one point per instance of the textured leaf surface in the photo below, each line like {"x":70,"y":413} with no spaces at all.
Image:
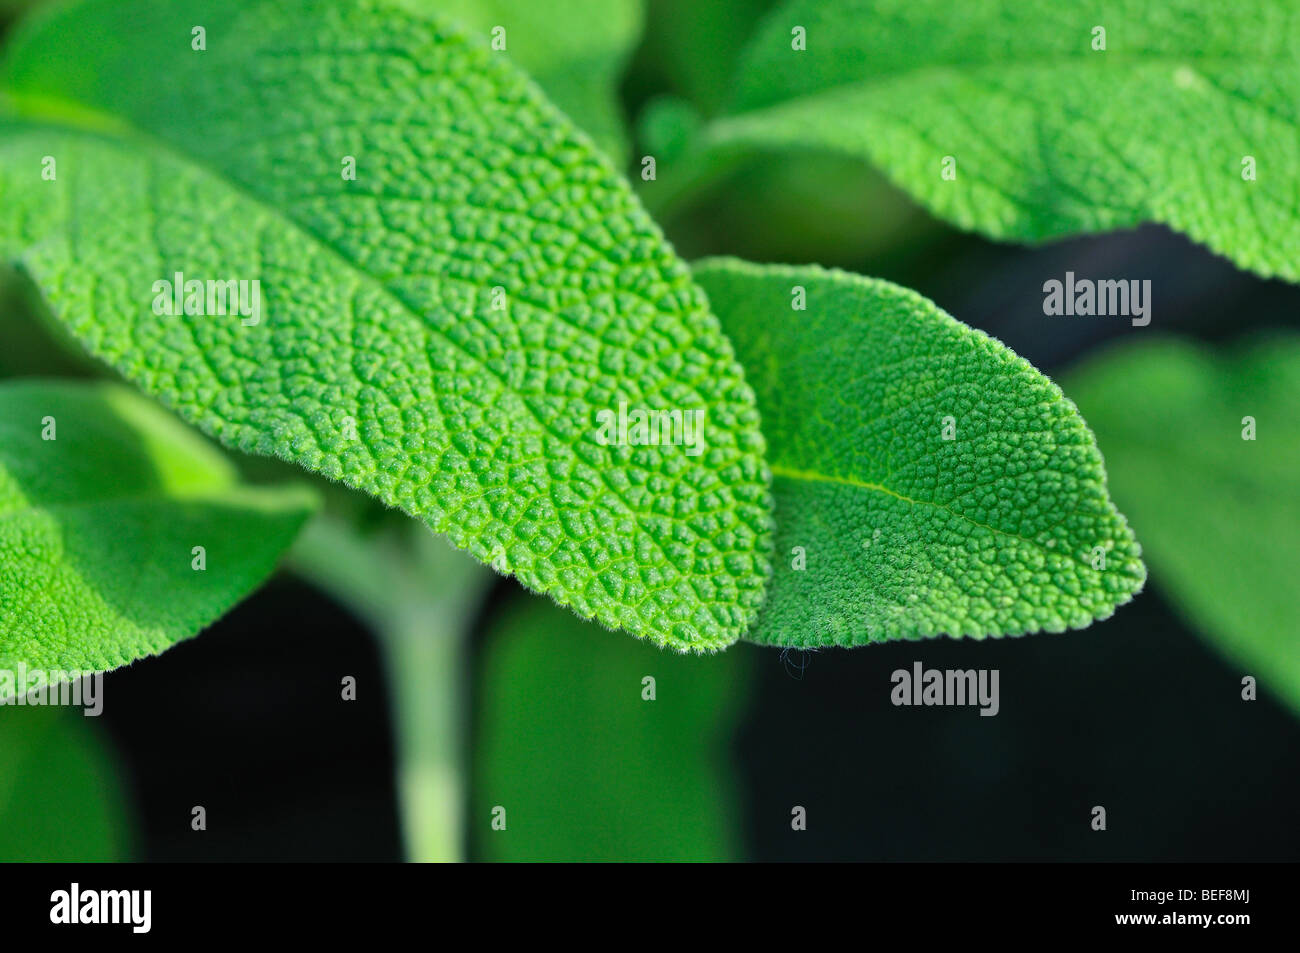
{"x":1219,"y":516}
{"x":905,"y":534}
{"x":60,"y":798}
{"x":381,"y":358}
{"x":98,"y":528}
{"x":585,"y":768}
{"x":1050,"y":136}
{"x":574,"y":49}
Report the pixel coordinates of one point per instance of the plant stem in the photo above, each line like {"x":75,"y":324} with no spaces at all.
{"x":423,"y":657}
{"x":420,"y":596}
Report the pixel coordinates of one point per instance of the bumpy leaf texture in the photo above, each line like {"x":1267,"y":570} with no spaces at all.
{"x":104,"y":497}
{"x":1219,"y":514}
{"x":1189,"y":117}
{"x":441,"y":331}
{"x":574,"y":49}
{"x":927,"y":480}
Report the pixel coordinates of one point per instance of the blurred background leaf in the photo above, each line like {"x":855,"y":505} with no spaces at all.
{"x":1051,"y":142}
{"x":691,"y":49}
{"x":585,"y":768}
{"x":1217,"y":514}
{"x":33,"y":344}
{"x":800,"y":206}
{"x":60,"y":797}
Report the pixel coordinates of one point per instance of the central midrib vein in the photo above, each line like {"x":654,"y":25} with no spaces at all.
{"x":812,"y":476}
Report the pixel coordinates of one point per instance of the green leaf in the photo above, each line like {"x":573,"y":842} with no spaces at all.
{"x":10,"y":7}
{"x":692,"y":47}
{"x":1217,"y":513}
{"x":575,"y":49}
{"x":103,"y":499}
{"x":441,"y":333}
{"x":585,"y":767}
{"x":901,"y":532}
{"x":61,"y":800}
{"x":1050,"y":137}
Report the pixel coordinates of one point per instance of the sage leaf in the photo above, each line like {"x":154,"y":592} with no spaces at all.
{"x":575,"y":50}
{"x":1203,"y":450}
{"x":1031,"y":119}
{"x":443,"y":331}
{"x":122,"y":532}
{"x":927,"y":480}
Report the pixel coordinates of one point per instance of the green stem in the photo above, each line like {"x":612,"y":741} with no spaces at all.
{"x":420,"y":597}
{"x":423,"y":656}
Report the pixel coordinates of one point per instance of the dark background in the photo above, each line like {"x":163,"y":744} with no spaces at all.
{"x":1134,"y":714}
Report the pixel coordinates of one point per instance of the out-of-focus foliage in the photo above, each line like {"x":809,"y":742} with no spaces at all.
{"x":31,"y":343}
{"x":692,"y":49}
{"x":1020,"y":119}
{"x":585,"y":768}
{"x":1218,"y":515}
{"x":60,"y":798}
